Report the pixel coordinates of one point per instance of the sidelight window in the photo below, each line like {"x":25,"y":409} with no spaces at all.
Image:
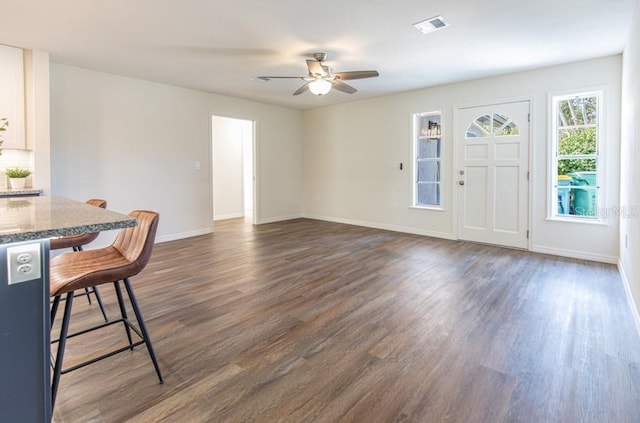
{"x":427,"y":163}
{"x":576,"y":162}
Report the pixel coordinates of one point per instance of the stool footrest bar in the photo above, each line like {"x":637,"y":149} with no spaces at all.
{"x":102,"y":357}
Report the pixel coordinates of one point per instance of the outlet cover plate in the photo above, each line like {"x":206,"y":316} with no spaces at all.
{"x":23,"y":263}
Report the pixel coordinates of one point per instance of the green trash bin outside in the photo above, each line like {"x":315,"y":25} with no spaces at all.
{"x":564,"y":190}
{"x":584,"y":200}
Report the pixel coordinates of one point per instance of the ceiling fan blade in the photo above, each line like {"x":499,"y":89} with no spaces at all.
{"x":315,"y":68}
{"x":357,"y":75}
{"x":302,"y":89}
{"x":267,"y":78}
{"x":342,"y":86}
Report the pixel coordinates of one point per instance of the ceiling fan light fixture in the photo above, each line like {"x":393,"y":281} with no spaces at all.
{"x":320,"y":86}
{"x":321,"y":79}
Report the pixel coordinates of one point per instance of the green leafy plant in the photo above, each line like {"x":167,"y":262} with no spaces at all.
{"x":4,"y":123}
{"x":17,"y":172}
{"x":577,"y":142}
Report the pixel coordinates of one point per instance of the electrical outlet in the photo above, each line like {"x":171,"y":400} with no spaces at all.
{"x":23,"y":263}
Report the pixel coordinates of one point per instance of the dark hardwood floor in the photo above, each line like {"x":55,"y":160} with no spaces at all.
{"x":309,"y":321}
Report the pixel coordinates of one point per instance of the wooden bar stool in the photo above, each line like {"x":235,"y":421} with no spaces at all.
{"x":126,"y":257}
{"x":76,"y":242}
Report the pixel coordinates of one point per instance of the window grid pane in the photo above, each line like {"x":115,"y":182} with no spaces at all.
{"x":578,"y":111}
{"x":428,"y":148}
{"x":428,"y":194}
{"x":582,"y":201}
{"x":577,"y":141}
{"x":428,"y":171}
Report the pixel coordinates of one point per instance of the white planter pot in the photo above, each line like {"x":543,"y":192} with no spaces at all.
{"x":17,"y":183}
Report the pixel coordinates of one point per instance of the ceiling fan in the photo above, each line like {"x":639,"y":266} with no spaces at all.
{"x":321,"y":77}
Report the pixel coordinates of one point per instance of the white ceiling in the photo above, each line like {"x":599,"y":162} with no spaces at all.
{"x":221,"y":46}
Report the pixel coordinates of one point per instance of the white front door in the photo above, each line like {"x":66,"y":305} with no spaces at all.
{"x":492,"y":146}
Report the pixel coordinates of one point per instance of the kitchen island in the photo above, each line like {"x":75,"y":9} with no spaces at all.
{"x":26,"y":225}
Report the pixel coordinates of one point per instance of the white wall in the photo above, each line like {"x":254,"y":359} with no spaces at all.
{"x":352,"y":152}
{"x":228,"y":174}
{"x":630,"y":166}
{"x":134,"y":143}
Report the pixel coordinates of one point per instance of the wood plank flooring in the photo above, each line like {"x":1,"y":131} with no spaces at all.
{"x":310,"y":321}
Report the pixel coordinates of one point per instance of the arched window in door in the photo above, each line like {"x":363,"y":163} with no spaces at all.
{"x":497,"y":124}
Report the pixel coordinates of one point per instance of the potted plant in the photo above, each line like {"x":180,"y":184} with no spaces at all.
{"x":17,"y":177}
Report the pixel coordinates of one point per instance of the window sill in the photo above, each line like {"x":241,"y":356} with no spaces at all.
{"x":585,"y":221}
{"x":434,"y":208}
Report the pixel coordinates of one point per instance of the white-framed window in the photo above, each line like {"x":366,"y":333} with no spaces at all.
{"x":427,"y":160}
{"x":576,"y":164}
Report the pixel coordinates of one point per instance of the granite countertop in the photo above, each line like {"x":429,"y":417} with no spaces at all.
{"x":20,"y":192}
{"x":29,"y":218}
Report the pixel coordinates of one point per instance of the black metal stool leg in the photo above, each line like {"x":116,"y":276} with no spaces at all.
{"x":123,"y":312}
{"x":64,"y":330}
{"x":143,"y":327}
{"x":54,"y":308}
{"x":100,"y":304}
{"x":88,"y":294}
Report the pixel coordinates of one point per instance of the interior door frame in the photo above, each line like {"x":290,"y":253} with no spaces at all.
{"x":254,"y":147}
{"x":457,"y":144}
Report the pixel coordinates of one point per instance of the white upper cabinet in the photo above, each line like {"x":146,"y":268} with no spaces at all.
{"x":12,"y":97}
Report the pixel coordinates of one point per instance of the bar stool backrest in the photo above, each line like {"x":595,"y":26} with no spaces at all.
{"x":136,"y":243}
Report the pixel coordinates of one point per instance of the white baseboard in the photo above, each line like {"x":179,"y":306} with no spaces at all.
{"x":602,"y":258}
{"x":174,"y":237}
{"x":228,"y":216}
{"x":627,"y":289}
{"x":279,"y":219}
{"x":383,"y":226}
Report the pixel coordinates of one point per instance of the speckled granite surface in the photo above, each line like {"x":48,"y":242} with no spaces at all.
{"x":28,"y":218}
{"x":19,"y":192}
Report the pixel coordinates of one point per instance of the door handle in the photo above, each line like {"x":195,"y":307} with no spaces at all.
{"x":460,"y":182}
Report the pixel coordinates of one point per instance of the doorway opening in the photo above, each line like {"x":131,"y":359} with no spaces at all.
{"x":233,"y":180}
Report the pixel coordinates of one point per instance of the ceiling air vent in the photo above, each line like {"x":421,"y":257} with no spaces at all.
{"x":431,"y":24}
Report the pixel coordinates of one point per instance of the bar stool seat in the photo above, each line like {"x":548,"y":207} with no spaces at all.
{"x":126,"y":257}
{"x":78,"y":271}
{"x":76,"y":242}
